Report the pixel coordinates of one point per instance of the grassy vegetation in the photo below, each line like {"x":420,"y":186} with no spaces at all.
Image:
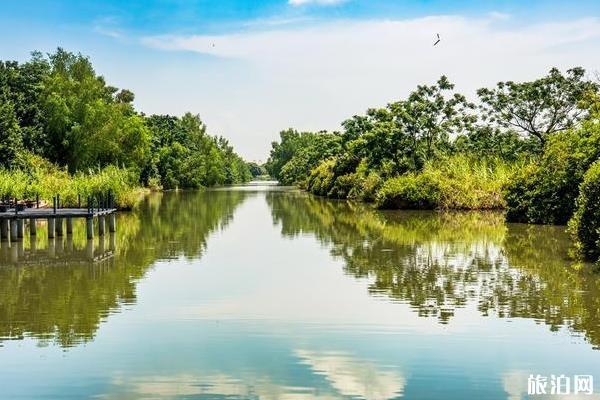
{"x":457,"y":182}
{"x":43,"y":179}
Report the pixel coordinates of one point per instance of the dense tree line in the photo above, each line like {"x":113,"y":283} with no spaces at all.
{"x":524,"y":146}
{"x":59,"y":109}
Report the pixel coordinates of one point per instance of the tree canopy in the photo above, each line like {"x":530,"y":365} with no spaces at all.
{"x":58,"y":107}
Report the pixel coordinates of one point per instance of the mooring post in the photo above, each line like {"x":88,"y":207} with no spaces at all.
{"x":78,"y":200}
{"x":59,"y":226}
{"x":69,"y":226}
{"x":89,"y":249}
{"x":13,"y":230}
{"x":14,"y":253}
{"x":112,"y":242}
{"x":32,"y":227}
{"x":51,"y":227}
{"x":101,"y":225}
{"x":51,"y":247}
{"x":89,"y":223}
{"x":101,"y":245}
{"x":37,"y":200}
{"x":112,"y":222}
{"x":4,"y":230}
{"x":20,"y":227}
{"x":54,"y":204}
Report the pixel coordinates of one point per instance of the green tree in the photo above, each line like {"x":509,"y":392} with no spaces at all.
{"x":430,"y":118}
{"x":22,"y":85}
{"x":85,"y":125}
{"x":298,"y":152}
{"x":11,"y":141}
{"x":540,"y":107}
{"x":487,"y":141}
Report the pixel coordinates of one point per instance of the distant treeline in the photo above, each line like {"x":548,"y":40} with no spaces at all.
{"x":56,"y":108}
{"x":531,"y":148}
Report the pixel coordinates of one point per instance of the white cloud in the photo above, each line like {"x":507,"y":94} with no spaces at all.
{"x":296,"y":3}
{"x":314,"y":76}
{"x":354,"y":377}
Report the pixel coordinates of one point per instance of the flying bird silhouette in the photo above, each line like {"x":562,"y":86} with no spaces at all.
{"x":438,"y":39}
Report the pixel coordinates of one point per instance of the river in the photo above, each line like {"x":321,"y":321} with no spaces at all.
{"x":265,"y":292}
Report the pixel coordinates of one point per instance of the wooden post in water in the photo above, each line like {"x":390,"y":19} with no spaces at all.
{"x":13,"y":230}
{"x":59,"y":227}
{"x":101,"y":225}
{"x":69,"y":226}
{"x":89,"y":223}
{"x":32,"y":227}
{"x":101,"y":245}
{"x":20,"y":228}
{"x":14,"y":253}
{"x":4,"y":230}
{"x":51,"y":247}
{"x":89,"y":249}
{"x":112,"y":223}
{"x":51,"y":227}
{"x":112,"y":242}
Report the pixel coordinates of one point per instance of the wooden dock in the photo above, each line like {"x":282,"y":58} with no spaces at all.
{"x":60,"y":221}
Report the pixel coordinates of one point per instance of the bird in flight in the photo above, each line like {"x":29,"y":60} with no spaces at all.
{"x":438,"y":39}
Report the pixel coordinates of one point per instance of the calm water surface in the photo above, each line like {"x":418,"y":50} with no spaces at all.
{"x":263,"y":292}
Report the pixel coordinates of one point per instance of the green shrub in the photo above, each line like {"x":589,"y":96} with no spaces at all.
{"x":321,"y":178}
{"x":342,"y":185}
{"x":545,"y":192}
{"x":409,"y":191}
{"x":365,"y":188}
{"x":585,"y":224}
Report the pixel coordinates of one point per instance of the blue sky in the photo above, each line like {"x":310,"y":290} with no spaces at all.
{"x":252,"y":68}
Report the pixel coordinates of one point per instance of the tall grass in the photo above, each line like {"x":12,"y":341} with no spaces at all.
{"x":457,"y":182}
{"x":43,"y":179}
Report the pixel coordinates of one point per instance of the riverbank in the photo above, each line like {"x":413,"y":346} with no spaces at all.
{"x":65,"y":131}
{"x":42,"y":180}
{"x":521,"y":152}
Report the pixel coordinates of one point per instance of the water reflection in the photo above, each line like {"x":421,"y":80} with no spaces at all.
{"x":56,"y":251}
{"x":254,"y":293}
{"x":439,"y":263}
{"x":50,"y":290}
{"x":353,"y":377}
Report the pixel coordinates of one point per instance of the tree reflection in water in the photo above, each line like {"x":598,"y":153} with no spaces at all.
{"x":439,"y":262}
{"x":65,"y":302}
